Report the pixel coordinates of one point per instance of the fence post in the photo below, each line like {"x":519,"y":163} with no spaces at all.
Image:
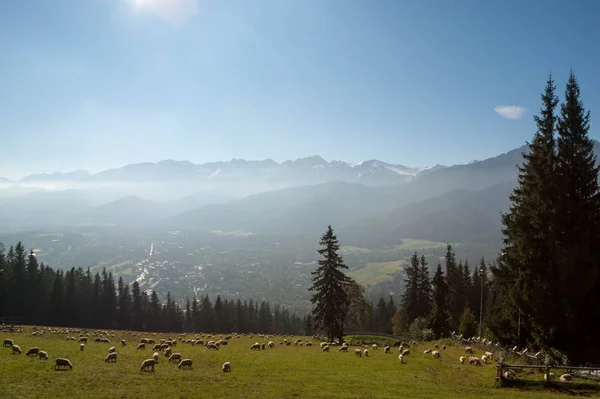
{"x":499,"y":372}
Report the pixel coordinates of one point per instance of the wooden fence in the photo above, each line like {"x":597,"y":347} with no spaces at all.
{"x":501,"y":367}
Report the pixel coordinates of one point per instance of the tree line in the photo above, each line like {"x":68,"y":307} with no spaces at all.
{"x":39,"y":295}
{"x":544,"y":290}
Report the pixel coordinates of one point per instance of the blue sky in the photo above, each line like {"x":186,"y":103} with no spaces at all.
{"x":96,"y":84}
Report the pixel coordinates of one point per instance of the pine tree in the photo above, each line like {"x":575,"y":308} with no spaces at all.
{"x":411,"y":308}
{"x":468,"y":323}
{"x":575,"y":282}
{"x":137,"y":316}
{"x":330,"y":285}
{"x":454,"y":282}
{"x":440,"y":317}
{"x":423,"y":289}
{"x":529,"y":227}
{"x":125,"y":305}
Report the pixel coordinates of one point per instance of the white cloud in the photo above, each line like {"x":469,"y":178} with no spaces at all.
{"x":510,"y":111}
{"x":173,"y":11}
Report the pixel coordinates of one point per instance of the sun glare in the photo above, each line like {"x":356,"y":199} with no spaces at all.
{"x":139,"y":3}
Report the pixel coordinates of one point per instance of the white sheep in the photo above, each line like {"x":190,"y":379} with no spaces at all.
{"x":375,"y":346}
{"x":112,"y":349}
{"x":148,"y":364}
{"x":358,"y":352}
{"x":123,"y":342}
{"x":366,"y":353}
{"x":462,"y":359}
{"x":510,"y":375}
{"x":566,"y":377}
{"x":427,"y":351}
{"x":16,"y":349}
{"x":64,"y":363}
{"x":489,"y":355}
{"x":343,"y":348}
{"x":401,"y":358}
{"x":213,"y":346}
{"x":406,"y":352}
{"x":43,"y":355}
{"x":226,"y":367}
{"x":8,"y":342}
{"x":185,"y":364}
{"x":325,"y":348}
{"x":436,"y":354}
{"x":468,"y":349}
{"x":175,"y":356}
{"x":549,"y":376}
{"x":141,"y":346}
{"x":155,"y":357}
{"x":33,"y":351}
{"x":474,"y":361}
{"x":436,"y":346}
{"x":271,"y":344}
{"x":111,"y":358}
{"x":484,"y":359}
{"x":386,"y":349}
{"x":81,"y":347}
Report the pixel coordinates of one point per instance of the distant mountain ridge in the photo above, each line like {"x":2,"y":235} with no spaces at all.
{"x":307,"y":170}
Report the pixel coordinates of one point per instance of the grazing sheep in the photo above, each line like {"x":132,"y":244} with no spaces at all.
{"x":8,"y":342}
{"x":82,"y":339}
{"x":510,"y":375}
{"x":406,"y":352}
{"x":16,"y":349}
{"x":147,"y":365}
{"x":226,"y":367}
{"x":43,"y":355}
{"x":155,"y":357}
{"x":343,"y":348}
{"x":386,"y":349}
{"x":489,"y":355}
{"x":168,"y":352}
{"x":549,"y":376}
{"x":262,"y":346}
{"x":358,"y":352}
{"x":401,"y":358}
{"x":375,"y":346}
{"x":444,"y":347}
{"x":484,"y":359}
{"x":81,"y":347}
{"x":468,"y":349}
{"x":111,"y":358}
{"x":462,"y":359}
{"x":141,"y":346}
{"x":64,"y":363}
{"x":436,"y":355}
{"x":475,"y":361}
{"x":366,"y":353}
{"x":214,"y":346}
{"x":271,"y":344}
{"x":566,"y":377}
{"x":185,"y":364}
{"x":325,"y":348}
{"x":112,"y":349}
{"x":436,"y":346}
{"x":123,"y":342}
{"x":427,"y":351}
{"x":323,"y":344}
{"x":33,"y":351}
{"x":175,"y":356}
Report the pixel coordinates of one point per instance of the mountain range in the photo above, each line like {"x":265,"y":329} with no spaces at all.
{"x":371,"y":204}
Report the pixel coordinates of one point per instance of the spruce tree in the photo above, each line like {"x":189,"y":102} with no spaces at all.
{"x":424,"y":289}
{"x":530,"y":231}
{"x":468,"y":324}
{"x":440,"y":317}
{"x":411,"y":308}
{"x":330,"y":285}
{"x":575,"y":282}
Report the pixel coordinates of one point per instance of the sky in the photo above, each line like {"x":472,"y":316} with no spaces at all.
{"x":98,"y":84}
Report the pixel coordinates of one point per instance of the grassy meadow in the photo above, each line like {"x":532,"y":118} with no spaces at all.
{"x":282,"y":372}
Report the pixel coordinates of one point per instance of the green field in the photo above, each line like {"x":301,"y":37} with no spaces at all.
{"x":407,"y":244}
{"x":376,"y":272}
{"x":282,"y":372}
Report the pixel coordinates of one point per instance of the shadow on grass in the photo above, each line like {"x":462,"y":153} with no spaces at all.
{"x":573,"y":388}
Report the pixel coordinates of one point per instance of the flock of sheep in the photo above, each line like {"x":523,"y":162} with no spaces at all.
{"x":100,"y":336}
{"x":167,"y":346}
